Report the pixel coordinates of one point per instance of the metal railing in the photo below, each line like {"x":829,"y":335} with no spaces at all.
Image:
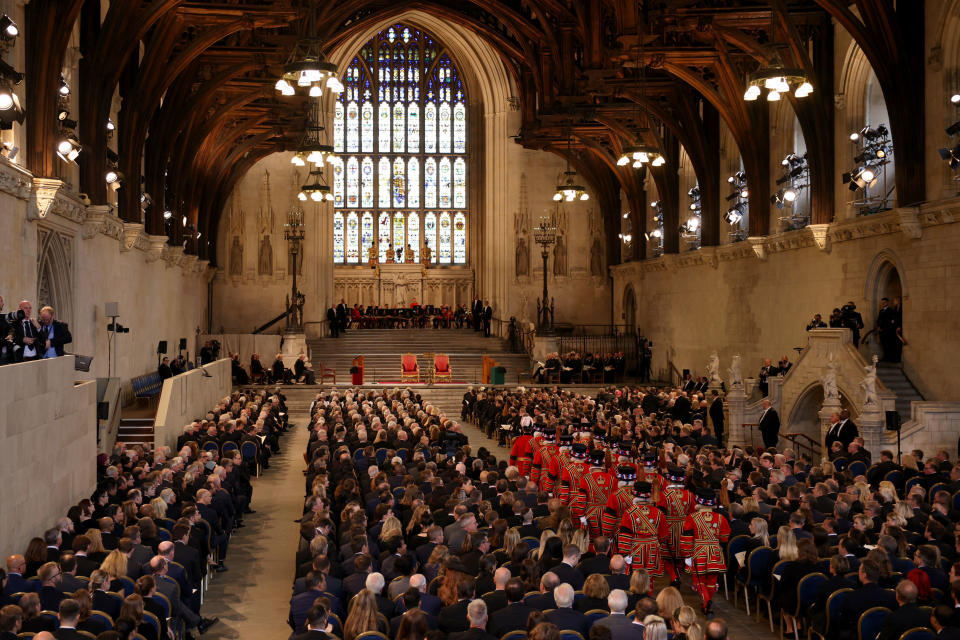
{"x":797,"y":439}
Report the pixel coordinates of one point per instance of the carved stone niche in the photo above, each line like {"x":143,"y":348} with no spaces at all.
{"x":133,"y":237}
{"x":101,"y":219}
{"x":757,"y":243}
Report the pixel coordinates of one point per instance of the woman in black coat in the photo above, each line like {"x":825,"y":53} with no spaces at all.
{"x":793,"y":572}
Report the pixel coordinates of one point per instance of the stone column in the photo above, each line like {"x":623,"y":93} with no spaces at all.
{"x":497,"y":250}
{"x":870,"y":425}
{"x":317,"y":266}
{"x":736,"y":402}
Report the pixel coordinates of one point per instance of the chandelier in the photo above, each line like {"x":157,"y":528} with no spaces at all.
{"x":312,"y":149}
{"x":307,"y":68}
{"x":315,"y":189}
{"x":640,"y":155}
{"x":570,"y":190}
{"x":777,"y":81}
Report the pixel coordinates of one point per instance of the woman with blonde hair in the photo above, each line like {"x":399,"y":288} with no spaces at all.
{"x":85,"y":622}
{"x":159,"y":508}
{"x":760,"y":537}
{"x":438,"y":556}
{"x":685,"y":626}
{"x":129,"y":508}
{"x":640,"y":585}
{"x":391,"y":528}
{"x":582,"y":539}
{"x":654,"y":628}
{"x":668,"y":601}
{"x":546,"y":535}
{"x":786,"y":544}
{"x":362,"y":616}
{"x":115,"y":566}
{"x":565,"y":531}
{"x":595,"y":592}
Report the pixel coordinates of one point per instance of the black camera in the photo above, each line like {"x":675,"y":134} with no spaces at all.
{"x":16,"y":316}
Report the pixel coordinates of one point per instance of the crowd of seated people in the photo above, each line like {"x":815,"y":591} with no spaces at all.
{"x":278,"y":373}
{"x":404,"y":525}
{"x":577,"y":368}
{"x":415,"y":316}
{"x":135,"y":557}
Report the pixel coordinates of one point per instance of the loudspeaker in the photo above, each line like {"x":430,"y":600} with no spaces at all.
{"x":686,"y":372}
{"x":111,"y":309}
{"x":183,"y":344}
{"x":162,"y":347}
{"x":893,"y":421}
{"x":103,"y":411}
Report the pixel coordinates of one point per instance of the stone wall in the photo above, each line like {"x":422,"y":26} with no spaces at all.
{"x":755,"y":298}
{"x":48,"y":447}
{"x":76,"y":258}
{"x":187,"y":397}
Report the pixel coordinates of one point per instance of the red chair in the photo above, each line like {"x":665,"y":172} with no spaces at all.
{"x":326,"y":373}
{"x":409,"y":369}
{"x":441,"y":368}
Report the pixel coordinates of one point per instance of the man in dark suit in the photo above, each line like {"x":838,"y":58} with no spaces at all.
{"x":514,"y":615}
{"x":926,"y":560}
{"x":907,"y":616}
{"x":316,"y":624}
{"x":567,"y":570}
{"x":868,"y":595}
{"x":942,"y":623}
{"x":53,"y":334}
{"x":544,"y":600}
{"x":185,"y":555}
{"x":342,"y":316}
{"x":599,"y":563}
{"x":69,"y":614}
{"x":453,"y":618}
{"x":769,"y":425}
{"x":487,"y":319}
{"x":477,"y":614}
{"x":69,"y":582}
{"x":164,"y":369}
{"x":26,"y":335}
{"x":301,"y":603}
{"x":332,"y":322}
{"x":842,"y":430}
{"x":618,"y":578}
{"x":564,"y":616}
{"x":16,"y":583}
{"x":50,"y":594}
{"x":497,"y":599}
{"x":621,"y":627}
{"x":716,"y":415}
{"x":356,"y":582}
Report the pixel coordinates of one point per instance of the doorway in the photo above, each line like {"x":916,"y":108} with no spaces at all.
{"x":630,"y":311}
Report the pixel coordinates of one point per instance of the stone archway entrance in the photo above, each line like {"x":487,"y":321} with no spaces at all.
{"x":885,"y":282}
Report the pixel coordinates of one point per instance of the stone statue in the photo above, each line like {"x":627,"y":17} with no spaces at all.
{"x":560,"y":256}
{"x":523,"y":256}
{"x":829,"y":380}
{"x":236,"y":257}
{"x":427,"y":254}
{"x":869,"y":386}
{"x":736,"y":377}
{"x":265,"y":257}
{"x":713,"y":368}
{"x":596,"y":258}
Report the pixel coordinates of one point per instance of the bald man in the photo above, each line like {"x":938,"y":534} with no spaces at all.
{"x":16,"y":583}
{"x":497,"y":599}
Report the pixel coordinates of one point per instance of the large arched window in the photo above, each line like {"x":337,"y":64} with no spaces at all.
{"x":400,"y":132}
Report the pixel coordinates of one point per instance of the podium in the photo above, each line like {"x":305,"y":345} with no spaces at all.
{"x":357,"y":378}
{"x":488,"y":364}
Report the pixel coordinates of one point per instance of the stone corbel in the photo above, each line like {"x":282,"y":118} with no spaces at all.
{"x":173,"y":255}
{"x":133,"y":237}
{"x":909,"y":222}
{"x":821,"y":235}
{"x":155,"y":247}
{"x":187,"y":263}
{"x":49,"y":196}
{"x":758,"y":246}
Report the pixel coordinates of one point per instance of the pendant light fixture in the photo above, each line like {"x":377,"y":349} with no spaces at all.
{"x":570,"y":190}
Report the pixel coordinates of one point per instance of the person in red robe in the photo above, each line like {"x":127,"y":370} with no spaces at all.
{"x":521,"y":454}
{"x":572,"y":472}
{"x":677,"y":503}
{"x":642,"y":527}
{"x":595,"y":489}
{"x":705,"y":532}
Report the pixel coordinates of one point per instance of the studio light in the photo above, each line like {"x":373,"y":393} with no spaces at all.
{"x":113,"y":177}
{"x":955,"y":98}
{"x":733,"y":216}
{"x":693,"y":223}
{"x":790,"y":194}
{"x":110,"y":125}
{"x":184,"y":221}
{"x":64,"y":87}
{"x":8,"y":28}
{"x":6,"y":99}
{"x":167,"y":214}
{"x":69,"y":148}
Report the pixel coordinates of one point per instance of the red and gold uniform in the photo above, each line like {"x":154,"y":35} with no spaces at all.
{"x":677,"y":503}
{"x":641,"y":529}
{"x":536,"y":447}
{"x":704,"y":534}
{"x":572,"y":473}
{"x":521,"y":454}
{"x":544,"y":460}
{"x":595,"y":489}
{"x":617,"y":505}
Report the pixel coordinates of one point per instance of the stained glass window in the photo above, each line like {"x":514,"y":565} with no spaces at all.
{"x":353,"y":182}
{"x":404,"y":107}
{"x":430,"y":235}
{"x":338,"y":237}
{"x":399,"y":241}
{"x":366,"y":236}
{"x":384,"y":237}
{"x":366,"y":179}
{"x":353,"y":238}
{"x":444,"y":238}
{"x":366,"y":127}
{"x":413,"y":183}
{"x":460,"y":238}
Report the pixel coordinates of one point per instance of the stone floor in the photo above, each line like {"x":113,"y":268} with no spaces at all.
{"x":252,"y":598}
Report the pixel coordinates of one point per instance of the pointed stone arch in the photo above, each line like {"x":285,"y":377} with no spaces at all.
{"x":55,"y":273}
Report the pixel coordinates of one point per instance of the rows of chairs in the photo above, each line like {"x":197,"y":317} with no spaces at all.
{"x":249,"y":451}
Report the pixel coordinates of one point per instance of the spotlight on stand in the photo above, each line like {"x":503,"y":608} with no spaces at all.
{"x":114,"y":178}
{"x":68,"y":148}
{"x":8,"y":28}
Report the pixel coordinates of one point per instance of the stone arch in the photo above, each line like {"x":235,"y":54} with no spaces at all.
{"x":884,"y":264}
{"x":630,"y":310}
{"x":55,"y":273}
{"x":804,"y":416}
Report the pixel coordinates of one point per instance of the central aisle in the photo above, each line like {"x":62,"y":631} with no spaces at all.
{"x":252,"y":599}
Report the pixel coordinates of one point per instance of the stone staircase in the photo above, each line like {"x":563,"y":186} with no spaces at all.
{"x":383,"y":348}
{"x":895,"y":379}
